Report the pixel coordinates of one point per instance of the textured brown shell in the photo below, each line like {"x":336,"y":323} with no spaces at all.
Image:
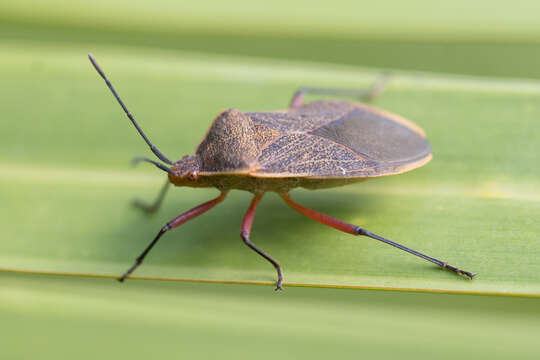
{"x":322,"y":139}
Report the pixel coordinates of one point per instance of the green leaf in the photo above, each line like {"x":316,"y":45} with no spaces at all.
{"x":66,"y":185}
{"x":424,"y":19}
{"x":487,"y":37}
{"x":60,"y":318}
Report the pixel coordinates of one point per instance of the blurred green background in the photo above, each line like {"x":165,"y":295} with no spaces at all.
{"x":464,"y":71}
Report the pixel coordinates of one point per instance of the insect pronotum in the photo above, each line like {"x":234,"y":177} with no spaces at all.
{"x":321,"y":144}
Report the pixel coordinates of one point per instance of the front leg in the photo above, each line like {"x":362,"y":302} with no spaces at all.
{"x":153,"y":207}
{"x":174,"y":223}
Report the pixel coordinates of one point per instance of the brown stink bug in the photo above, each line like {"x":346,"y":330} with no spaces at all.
{"x":321,"y":144}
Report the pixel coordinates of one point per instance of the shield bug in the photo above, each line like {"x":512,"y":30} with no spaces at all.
{"x":321,"y":144}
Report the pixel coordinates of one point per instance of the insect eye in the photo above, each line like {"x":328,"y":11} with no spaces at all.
{"x":193,"y":175}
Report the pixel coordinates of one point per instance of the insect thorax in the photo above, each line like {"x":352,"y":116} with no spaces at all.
{"x":229,"y":145}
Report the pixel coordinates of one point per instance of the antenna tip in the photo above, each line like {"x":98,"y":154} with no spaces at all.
{"x":136,"y":161}
{"x":96,"y":66}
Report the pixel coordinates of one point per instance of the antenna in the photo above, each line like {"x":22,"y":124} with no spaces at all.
{"x":152,"y":147}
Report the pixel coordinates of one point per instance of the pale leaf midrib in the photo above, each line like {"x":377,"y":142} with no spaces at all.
{"x":42,"y":175}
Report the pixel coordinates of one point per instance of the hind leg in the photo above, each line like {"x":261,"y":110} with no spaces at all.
{"x":357,"y":230}
{"x":366,"y":94}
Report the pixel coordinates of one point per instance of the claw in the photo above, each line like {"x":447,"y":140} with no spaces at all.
{"x":278,"y":285}
{"x":458,"y":271}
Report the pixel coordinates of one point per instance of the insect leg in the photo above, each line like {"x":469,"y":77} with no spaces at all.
{"x":357,"y":230}
{"x":246,"y":230}
{"x":152,"y":147}
{"x":376,"y":89}
{"x":152,"y":208}
{"x":177,"y":221}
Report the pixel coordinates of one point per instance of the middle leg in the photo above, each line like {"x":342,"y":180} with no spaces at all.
{"x":246,"y":230}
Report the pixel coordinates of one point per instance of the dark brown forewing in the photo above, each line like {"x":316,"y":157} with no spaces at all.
{"x":306,"y":155}
{"x":376,"y":136}
{"x":305,"y":118}
{"x":354,"y":140}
